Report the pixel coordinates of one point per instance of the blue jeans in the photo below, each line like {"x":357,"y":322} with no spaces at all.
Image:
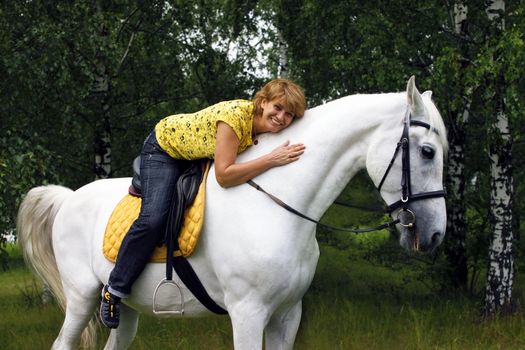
{"x":159,"y":173}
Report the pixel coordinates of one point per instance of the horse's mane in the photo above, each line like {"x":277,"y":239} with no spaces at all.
{"x":436,"y":121}
{"x":396,"y":100}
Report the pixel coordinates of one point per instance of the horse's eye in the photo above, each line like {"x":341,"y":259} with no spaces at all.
{"x":428,"y":152}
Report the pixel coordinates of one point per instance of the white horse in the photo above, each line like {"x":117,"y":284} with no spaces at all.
{"x":255,"y":259}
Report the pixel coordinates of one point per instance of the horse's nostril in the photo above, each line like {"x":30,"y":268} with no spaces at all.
{"x":435,"y":237}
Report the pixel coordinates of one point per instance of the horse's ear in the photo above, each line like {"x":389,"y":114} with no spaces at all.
{"x":427,"y":94}
{"x":415,"y":101}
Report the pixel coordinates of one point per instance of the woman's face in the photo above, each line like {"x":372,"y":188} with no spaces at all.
{"x":275,"y":116}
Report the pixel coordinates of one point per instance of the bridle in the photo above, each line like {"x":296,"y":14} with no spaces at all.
{"x":406,"y":189}
{"x":405,"y":216}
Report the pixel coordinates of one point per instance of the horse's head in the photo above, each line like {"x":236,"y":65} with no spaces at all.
{"x":413,"y":185}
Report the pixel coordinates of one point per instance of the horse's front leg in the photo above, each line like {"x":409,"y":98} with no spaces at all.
{"x":121,"y":338}
{"x":248,"y":322}
{"x":281,"y":330}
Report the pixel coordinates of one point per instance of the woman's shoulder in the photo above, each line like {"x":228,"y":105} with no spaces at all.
{"x":239,"y":108}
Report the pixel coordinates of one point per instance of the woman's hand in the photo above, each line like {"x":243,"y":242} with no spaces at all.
{"x":230,"y":173}
{"x":286,"y":153}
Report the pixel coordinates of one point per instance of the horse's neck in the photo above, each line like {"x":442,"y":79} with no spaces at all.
{"x":337,"y":136}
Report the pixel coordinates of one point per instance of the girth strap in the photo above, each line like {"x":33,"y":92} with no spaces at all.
{"x":191,"y":280}
{"x":180,"y":264}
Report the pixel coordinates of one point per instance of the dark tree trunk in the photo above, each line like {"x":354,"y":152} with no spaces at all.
{"x":455,"y":246}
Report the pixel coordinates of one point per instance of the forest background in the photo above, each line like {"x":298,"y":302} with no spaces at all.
{"x":83,"y":83}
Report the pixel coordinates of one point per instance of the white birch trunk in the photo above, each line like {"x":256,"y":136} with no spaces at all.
{"x":500,"y":274}
{"x":283,"y":57}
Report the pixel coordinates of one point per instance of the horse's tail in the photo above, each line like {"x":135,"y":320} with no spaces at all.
{"x":35,"y":219}
{"x":34,"y":227}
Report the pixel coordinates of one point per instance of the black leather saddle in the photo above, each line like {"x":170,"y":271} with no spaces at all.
{"x":187,"y":185}
{"x":187,"y":189}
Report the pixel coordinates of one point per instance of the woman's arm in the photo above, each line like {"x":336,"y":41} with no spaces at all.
{"x":229,"y":173}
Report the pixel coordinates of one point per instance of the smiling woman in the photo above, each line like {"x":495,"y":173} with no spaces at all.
{"x":274,"y":110}
{"x":221,"y":131}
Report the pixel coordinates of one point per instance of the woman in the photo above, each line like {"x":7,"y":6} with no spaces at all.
{"x":218,"y":132}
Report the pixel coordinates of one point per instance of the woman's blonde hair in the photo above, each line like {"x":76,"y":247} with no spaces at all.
{"x":278,"y":88}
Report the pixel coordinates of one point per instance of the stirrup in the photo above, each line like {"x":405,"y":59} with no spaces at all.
{"x":168,"y":312}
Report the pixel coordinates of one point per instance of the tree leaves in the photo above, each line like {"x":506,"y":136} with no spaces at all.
{"x":160,"y":58}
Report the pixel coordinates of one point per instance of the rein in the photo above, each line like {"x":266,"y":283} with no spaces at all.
{"x":405,"y":217}
{"x":298,"y":213}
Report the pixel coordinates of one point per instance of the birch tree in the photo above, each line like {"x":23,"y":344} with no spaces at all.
{"x":500,"y":272}
{"x":100,"y":95}
{"x":282,"y":71}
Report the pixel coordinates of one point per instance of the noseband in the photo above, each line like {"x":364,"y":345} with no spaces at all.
{"x":405,"y":217}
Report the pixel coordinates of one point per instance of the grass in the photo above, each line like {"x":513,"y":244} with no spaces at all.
{"x":352,"y":304}
{"x":369,"y":308}
{"x":24,"y":322}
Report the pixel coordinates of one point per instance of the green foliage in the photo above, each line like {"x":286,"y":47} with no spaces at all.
{"x":23,"y":165}
{"x":360,"y":207}
{"x":159,"y":58}
{"x":341,"y":48}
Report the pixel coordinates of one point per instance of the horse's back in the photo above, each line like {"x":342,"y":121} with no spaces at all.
{"x":89,"y":203}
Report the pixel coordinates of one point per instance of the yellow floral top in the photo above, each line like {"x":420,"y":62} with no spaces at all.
{"x":192,"y":136}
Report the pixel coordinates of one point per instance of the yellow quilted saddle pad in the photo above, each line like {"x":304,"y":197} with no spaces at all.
{"x":127,"y":210}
